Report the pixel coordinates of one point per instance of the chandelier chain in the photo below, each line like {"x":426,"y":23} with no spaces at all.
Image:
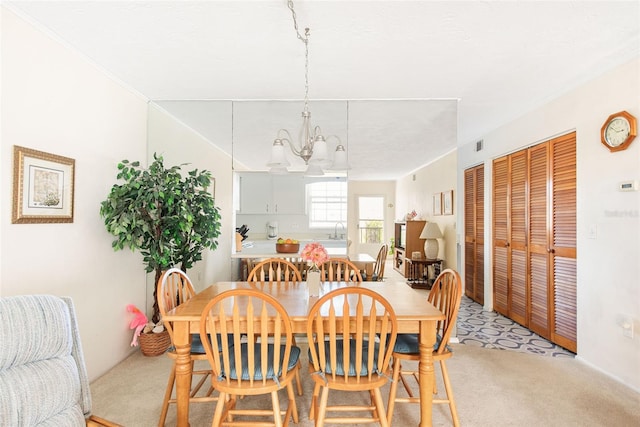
{"x":305,"y":40}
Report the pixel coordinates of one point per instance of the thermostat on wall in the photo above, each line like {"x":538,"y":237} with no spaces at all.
{"x":628,"y":186}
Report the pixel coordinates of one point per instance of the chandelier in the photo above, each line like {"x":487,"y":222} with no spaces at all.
{"x":311,"y":145}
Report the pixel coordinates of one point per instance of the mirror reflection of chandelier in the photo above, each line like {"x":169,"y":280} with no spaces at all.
{"x":311,"y":145}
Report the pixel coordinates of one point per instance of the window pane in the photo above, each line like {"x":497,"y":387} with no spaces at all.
{"x":371,"y":219}
{"x":327,"y":203}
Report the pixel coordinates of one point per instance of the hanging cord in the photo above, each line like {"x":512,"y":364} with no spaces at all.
{"x":304,"y":40}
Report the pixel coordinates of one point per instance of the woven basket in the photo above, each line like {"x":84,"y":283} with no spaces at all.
{"x":154,"y":344}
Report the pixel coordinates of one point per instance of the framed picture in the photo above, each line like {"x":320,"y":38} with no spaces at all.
{"x":42,"y":187}
{"x":447,"y":202}
{"x":437,"y":204}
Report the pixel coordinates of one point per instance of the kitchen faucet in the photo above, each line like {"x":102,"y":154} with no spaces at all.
{"x":335,"y":231}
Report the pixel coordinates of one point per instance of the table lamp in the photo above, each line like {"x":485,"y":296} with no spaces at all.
{"x":431,"y":232}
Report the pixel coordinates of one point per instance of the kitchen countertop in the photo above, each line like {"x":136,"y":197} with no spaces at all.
{"x":267,"y":248}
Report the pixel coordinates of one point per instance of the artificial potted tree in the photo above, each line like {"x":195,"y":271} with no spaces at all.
{"x":170,"y":218}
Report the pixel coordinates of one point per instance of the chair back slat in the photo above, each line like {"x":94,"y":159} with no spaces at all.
{"x":173,"y":288}
{"x":339,"y":270}
{"x":445,"y":295}
{"x":276,"y":270}
{"x":352,"y":317}
{"x":257,"y":315}
{"x":378,"y":268}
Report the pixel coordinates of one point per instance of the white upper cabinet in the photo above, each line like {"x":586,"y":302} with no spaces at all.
{"x":262,"y":193}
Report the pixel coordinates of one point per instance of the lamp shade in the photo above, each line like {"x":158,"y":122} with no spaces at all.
{"x":431,"y":232}
{"x":340,"y":159}
{"x":320,"y":152}
{"x":278,"y":158}
{"x":313,"y":170}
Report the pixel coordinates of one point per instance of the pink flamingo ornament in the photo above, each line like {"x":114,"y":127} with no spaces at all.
{"x":138,"y":323}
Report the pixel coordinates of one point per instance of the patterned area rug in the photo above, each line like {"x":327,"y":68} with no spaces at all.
{"x":491,"y":330}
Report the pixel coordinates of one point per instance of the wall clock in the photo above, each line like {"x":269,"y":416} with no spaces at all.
{"x":618,"y":131}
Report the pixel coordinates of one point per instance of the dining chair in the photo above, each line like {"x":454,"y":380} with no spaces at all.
{"x":280,"y":272}
{"x":264,"y":363}
{"x":351,"y":333}
{"x":339,"y":270}
{"x":445,"y":295}
{"x":175,"y":288}
{"x":378,"y":268}
{"x":275,"y":270}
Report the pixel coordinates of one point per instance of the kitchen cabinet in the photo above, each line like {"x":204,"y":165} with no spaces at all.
{"x":262,"y":193}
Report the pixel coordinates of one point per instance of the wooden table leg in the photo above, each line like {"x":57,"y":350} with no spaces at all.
{"x":368,"y":268}
{"x":182,"y":343}
{"x":426,"y":372}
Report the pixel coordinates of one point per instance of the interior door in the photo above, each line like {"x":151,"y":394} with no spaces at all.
{"x":563,"y":241}
{"x":501,"y":267}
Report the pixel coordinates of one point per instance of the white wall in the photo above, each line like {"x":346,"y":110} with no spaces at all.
{"x":415,"y":192}
{"x":179,"y":144}
{"x":55,"y":101}
{"x":608,"y":266}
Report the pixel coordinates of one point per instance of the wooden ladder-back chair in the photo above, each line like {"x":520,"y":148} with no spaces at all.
{"x":263,"y":364}
{"x":175,"y":288}
{"x":339,"y":270}
{"x":445,"y":295}
{"x":275,"y":270}
{"x":351,"y":333}
{"x":279,"y":272}
{"x":378,"y":268}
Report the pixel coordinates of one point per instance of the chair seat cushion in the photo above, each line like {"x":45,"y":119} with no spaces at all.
{"x":258,"y":374}
{"x":340,"y":369}
{"x":198,"y":348}
{"x":408,"y":344}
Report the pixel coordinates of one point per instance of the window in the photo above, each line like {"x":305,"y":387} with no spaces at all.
{"x":327,"y":203}
{"x":370,"y":219}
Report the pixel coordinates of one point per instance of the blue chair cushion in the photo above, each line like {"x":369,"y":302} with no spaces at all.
{"x":352,"y":358}
{"x":258,"y":374}
{"x":198,"y":348}
{"x":408,"y":344}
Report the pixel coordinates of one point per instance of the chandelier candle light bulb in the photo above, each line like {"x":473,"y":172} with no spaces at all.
{"x":315,"y":254}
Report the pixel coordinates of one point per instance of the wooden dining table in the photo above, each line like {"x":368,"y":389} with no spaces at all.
{"x":414,"y":314}
{"x":364,"y":262}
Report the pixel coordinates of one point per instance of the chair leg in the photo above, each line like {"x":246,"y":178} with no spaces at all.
{"x":292,"y":403}
{"x":167,"y":396}
{"x":449,"y":391}
{"x":298,"y":382}
{"x":322,"y":410}
{"x":217,"y":415}
{"x":393,"y":389}
{"x":277,"y":417}
{"x":313,"y":409}
{"x":382,"y":419}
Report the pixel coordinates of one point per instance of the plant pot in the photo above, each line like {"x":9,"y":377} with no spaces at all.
{"x":154,"y":344}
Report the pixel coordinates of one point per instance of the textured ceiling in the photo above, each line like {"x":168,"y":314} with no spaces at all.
{"x":441,"y":73}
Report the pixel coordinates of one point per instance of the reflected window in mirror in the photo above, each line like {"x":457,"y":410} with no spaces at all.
{"x":326,"y":203}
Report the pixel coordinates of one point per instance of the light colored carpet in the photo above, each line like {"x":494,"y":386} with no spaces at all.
{"x":492,"y":388}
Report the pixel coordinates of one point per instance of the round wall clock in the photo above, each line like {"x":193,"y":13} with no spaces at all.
{"x":618,"y":131}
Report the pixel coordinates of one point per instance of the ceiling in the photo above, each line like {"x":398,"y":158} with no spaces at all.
{"x":420,"y":77}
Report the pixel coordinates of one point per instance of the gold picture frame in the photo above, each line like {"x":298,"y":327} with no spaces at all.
{"x":42,"y":187}
{"x":447,"y":203}
{"x":437,"y":204}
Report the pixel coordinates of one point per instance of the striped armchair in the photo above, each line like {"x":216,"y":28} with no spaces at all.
{"x":43,"y":378}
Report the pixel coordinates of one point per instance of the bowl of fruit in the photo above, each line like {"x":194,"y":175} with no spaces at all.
{"x":287,"y":246}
